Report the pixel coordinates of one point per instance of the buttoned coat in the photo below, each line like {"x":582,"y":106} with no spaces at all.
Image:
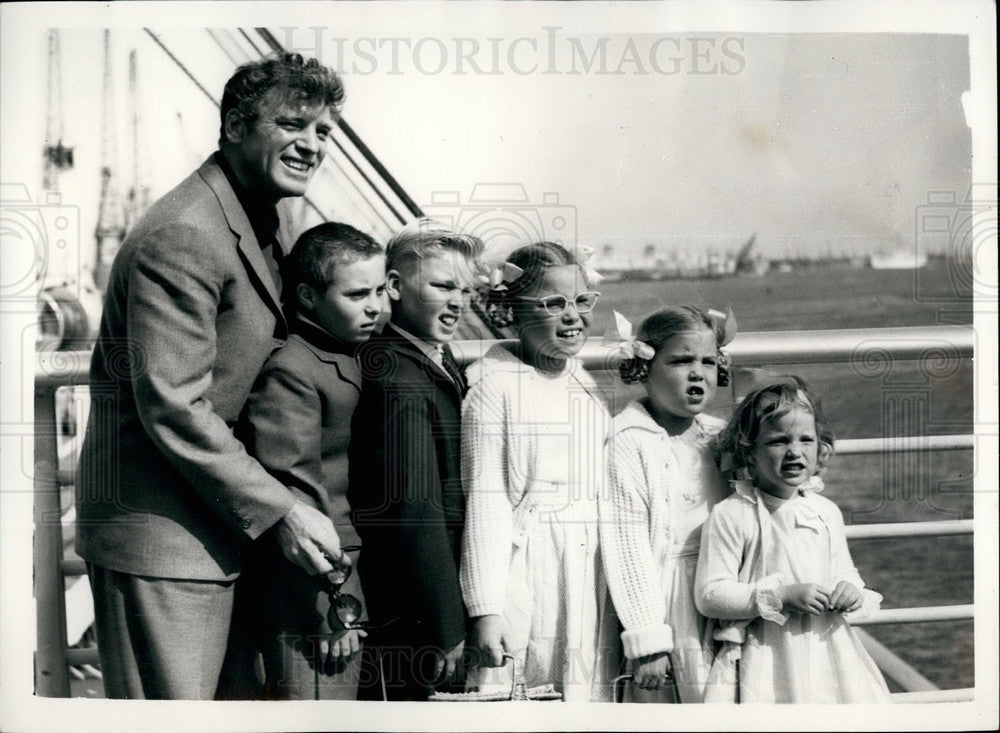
{"x":406,"y":492}
{"x":298,"y":425}
{"x":165,"y":488}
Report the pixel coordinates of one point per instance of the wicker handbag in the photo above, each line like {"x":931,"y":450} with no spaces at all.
{"x":518,"y":690}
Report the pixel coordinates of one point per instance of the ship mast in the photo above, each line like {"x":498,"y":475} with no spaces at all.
{"x":110,"y":228}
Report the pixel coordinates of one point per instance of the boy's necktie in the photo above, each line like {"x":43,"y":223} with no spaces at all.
{"x":450,"y":365}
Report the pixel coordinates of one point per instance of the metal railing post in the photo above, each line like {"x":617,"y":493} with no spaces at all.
{"x":51,"y":671}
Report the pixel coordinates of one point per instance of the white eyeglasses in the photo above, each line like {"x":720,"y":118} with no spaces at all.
{"x":556,"y":305}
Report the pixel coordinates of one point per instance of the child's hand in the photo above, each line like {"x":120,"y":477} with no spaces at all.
{"x":339,"y":648}
{"x":449,"y":667}
{"x":845,"y":597}
{"x":806,"y":598}
{"x":488,"y":639}
{"x":651,"y":671}
{"x":348,"y":645}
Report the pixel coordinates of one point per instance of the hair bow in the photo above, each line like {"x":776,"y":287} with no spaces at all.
{"x":504,"y":274}
{"x":632,"y":348}
{"x":583,"y":254}
{"x":724,"y":325}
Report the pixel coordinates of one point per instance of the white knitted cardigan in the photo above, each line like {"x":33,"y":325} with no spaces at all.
{"x":506,"y":401}
{"x":636,"y":535}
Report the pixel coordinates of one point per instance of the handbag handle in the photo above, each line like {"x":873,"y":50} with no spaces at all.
{"x":518,"y":691}
{"x":618,"y":683}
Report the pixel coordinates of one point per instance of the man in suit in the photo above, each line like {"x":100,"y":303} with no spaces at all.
{"x":168,"y":498}
{"x":405,"y":482}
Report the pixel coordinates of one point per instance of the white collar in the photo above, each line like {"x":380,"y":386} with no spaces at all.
{"x":636,"y":416}
{"x":499,"y":358}
{"x":746,"y":488}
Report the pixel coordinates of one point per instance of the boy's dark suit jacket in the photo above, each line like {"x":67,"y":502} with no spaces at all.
{"x":406,"y":493}
{"x":298,"y":425}
{"x":191,"y":314}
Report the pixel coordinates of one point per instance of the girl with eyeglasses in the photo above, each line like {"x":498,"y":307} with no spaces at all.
{"x":663,"y":482}
{"x":534,"y":424}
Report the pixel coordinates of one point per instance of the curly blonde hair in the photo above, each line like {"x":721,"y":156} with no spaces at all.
{"x":739,"y":437}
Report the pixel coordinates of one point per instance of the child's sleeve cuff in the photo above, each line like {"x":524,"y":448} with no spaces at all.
{"x":870,"y":603}
{"x":647,"y":640}
{"x":768,"y":604}
{"x":483,"y":608}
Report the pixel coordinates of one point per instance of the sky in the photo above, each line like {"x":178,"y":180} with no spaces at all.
{"x":644,"y":134}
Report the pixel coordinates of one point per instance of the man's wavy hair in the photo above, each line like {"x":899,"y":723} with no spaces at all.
{"x":739,"y":437}
{"x":662,"y":326}
{"x":534,"y":259}
{"x":298,"y":80}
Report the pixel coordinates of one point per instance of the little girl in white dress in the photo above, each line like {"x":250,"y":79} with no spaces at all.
{"x":774,"y":565}
{"x":663,"y":483}
{"x":534,"y":424}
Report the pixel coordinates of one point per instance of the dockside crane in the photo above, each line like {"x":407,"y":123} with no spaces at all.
{"x":68,"y":303}
{"x":110,"y":228}
{"x":56,"y":156}
{"x":137,"y":199}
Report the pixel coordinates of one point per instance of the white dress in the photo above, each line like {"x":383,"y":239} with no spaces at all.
{"x":661,"y":490}
{"x":532,"y":468}
{"x":783,"y":658}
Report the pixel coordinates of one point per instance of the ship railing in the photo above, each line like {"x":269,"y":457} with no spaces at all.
{"x":858,"y":346}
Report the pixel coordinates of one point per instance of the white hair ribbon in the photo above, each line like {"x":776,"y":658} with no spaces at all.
{"x":724,"y":325}
{"x":632,"y":348}
{"x":504,"y":274}
{"x":583,"y":254}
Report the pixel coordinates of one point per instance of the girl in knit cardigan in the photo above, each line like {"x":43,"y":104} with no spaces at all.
{"x":775,"y":567}
{"x":534,"y":424}
{"x":663,"y":483}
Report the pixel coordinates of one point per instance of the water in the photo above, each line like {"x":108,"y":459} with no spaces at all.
{"x":908,"y":399}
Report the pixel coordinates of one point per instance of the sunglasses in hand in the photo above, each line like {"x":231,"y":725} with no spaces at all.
{"x":345,"y":609}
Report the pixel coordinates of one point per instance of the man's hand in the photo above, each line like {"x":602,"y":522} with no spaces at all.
{"x":845,"y":597}
{"x":651,"y":671}
{"x":307,"y":537}
{"x":449,"y":664}
{"x":806,"y":598}
{"x":488,"y":640}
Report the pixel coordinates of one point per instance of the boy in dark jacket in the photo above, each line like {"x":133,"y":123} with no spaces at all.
{"x":405,"y":487}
